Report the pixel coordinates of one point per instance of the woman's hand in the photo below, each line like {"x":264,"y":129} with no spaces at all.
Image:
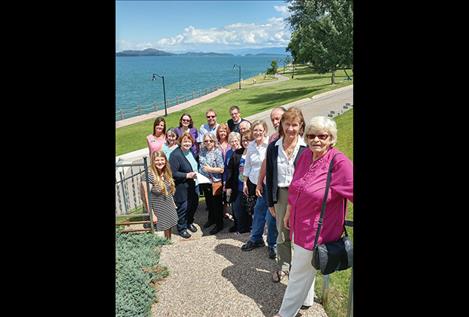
{"x":245,"y":189}
{"x":155,"y":218}
{"x":191,"y":175}
{"x":259,"y":191}
{"x":207,"y":169}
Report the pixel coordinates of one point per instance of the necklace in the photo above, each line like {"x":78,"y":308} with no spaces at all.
{"x":290,"y":148}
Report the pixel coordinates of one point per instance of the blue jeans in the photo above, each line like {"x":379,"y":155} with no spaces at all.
{"x":261,"y":216}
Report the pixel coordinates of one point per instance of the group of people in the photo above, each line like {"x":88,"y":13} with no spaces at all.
{"x":276,"y":181}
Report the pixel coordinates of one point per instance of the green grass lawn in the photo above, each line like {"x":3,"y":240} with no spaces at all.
{"x":251,"y":99}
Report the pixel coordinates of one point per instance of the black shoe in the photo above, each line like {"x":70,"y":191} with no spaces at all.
{"x":192,"y":228}
{"x":272,"y":253}
{"x":215,"y":230}
{"x":248,"y":246}
{"x":304,"y":307}
{"x":208,"y":224}
{"x":185,"y":234}
{"x":233,"y":229}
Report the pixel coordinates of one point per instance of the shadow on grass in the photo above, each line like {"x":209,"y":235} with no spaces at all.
{"x":282,"y":96}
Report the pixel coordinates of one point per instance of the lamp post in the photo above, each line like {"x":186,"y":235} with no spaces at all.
{"x":239,"y":66}
{"x":164,"y":92}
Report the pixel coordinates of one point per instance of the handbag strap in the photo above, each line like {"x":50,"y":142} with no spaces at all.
{"x":323,"y":207}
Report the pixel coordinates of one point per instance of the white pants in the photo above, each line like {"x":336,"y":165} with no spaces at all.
{"x":300,"y":288}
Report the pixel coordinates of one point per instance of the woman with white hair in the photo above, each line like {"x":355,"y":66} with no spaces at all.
{"x":305,"y":196}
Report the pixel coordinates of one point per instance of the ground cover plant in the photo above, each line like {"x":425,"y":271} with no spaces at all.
{"x":137,"y":269}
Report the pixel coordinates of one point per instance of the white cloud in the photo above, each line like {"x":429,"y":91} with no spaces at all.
{"x":283,"y":9}
{"x":273,"y":33}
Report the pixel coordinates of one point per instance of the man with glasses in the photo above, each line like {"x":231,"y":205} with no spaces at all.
{"x":210,"y":127}
{"x":235,"y":120}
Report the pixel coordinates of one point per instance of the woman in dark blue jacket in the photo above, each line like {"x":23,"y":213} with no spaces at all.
{"x":184,"y":167}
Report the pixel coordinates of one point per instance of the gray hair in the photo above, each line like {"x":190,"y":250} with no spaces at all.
{"x":234,"y":135}
{"x":211,"y":136}
{"x":320,"y":123}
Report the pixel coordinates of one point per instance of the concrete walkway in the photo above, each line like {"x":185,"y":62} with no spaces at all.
{"x":184,"y":105}
{"x":318,"y":105}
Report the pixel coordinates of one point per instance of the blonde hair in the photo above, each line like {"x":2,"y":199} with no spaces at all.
{"x":165,"y":173}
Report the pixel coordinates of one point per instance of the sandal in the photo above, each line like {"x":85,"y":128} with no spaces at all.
{"x":277,"y":276}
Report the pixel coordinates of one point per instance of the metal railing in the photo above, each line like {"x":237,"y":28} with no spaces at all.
{"x":325,"y":286}
{"x":129,"y":201}
{"x":122,"y":114}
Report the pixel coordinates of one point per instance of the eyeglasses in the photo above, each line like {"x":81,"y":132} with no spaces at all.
{"x":208,"y":117}
{"x":320,"y":136}
{"x":208,"y":141}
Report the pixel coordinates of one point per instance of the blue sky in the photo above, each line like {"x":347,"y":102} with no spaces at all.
{"x":215,"y":26}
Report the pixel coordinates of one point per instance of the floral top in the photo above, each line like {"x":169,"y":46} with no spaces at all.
{"x":212,"y":158}
{"x":306,"y":193}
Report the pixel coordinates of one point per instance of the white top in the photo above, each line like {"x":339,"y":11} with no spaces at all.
{"x":285,"y":166}
{"x":254,"y":156}
{"x":205,"y":128}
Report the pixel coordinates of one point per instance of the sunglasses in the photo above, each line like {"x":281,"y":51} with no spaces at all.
{"x":208,"y":117}
{"x":186,"y":120}
{"x":320,"y":136}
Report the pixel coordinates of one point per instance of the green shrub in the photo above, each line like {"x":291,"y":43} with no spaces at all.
{"x":137,"y":258}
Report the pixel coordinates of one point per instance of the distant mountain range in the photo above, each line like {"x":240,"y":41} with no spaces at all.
{"x":145,"y":52}
{"x":246,"y":52}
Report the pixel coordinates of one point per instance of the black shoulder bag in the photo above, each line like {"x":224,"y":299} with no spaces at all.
{"x":336,"y":255}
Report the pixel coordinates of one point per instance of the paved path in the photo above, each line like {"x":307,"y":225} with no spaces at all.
{"x":318,"y":105}
{"x":211,"y":276}
{"x":184,"y":105}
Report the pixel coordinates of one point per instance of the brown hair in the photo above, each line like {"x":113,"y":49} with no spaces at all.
{"x":191,"y":124}
{"x":227,"y":129}
{"x":157,"y":121}
{"x":186,"y":135}
{"x":292,"y":114}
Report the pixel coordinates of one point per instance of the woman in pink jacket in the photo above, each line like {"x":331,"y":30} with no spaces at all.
{"x":157,"y":139}
{"x":305,"y":196}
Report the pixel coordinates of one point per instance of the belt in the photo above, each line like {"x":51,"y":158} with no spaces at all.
{"x":284,"y":188}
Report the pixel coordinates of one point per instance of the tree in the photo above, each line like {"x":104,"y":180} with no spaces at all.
{"x":272,"y":70}
{"x":322,"y":34}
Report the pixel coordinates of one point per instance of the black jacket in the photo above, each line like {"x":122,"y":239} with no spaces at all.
{"x":272,"y":174}
{"x":180,"y":166}
{"x":233,"y":173}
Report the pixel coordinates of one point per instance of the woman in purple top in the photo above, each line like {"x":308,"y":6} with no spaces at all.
{"x":305,"y":196}
{"x":186,"y":124}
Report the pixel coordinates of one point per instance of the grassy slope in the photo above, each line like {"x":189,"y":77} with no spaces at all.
{"x":250,"y":99}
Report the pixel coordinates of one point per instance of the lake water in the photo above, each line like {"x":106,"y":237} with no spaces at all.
{"x":182,"y":75}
